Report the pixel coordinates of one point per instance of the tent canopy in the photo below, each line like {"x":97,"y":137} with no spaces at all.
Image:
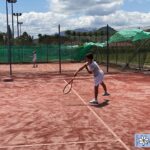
{"x":141,"y":36}
{"x":95,"y":44}
{"x":129,"y":35}
{"x":132,"y":35}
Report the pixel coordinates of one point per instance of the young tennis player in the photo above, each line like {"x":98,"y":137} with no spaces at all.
{"x":93,"y":67}
{"x":34,"y":59}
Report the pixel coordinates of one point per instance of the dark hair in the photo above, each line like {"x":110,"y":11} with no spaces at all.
{"x":89,"y":56}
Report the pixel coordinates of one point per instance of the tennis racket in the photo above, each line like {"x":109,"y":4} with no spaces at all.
{"x":68,"y":87}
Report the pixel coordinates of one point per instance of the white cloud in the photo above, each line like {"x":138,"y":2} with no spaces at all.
{"x":2,"y":23}
{"x":104,"y":8}
{"x":86,"y":7}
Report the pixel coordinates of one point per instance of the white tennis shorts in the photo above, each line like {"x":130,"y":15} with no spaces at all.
{"x":34,"y":60}
{"x":98,"y":79}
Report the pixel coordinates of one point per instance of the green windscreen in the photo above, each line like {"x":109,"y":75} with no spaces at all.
{"x":45,"y":53}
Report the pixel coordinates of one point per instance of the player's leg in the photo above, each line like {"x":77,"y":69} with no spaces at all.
{"x":105,"y":89}
{"x":96,"y":92}
{"x":95,"y":100}
{"x":33,"y":64}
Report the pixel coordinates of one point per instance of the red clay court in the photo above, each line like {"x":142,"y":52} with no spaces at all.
{"x":36,"y":115}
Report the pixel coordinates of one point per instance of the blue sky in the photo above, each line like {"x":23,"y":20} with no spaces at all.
{"x":137,"y":5}
{"x":41,"y":5}
{"x":43,"y":16}
{"x":27,"y":6}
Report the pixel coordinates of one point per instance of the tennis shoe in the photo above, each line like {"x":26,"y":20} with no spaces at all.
{"x":106,"y":94}
{"x":93,"y":101}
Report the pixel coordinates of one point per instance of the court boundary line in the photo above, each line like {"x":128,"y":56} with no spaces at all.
{"x":100,"y":119}
{"x":52,"y":144}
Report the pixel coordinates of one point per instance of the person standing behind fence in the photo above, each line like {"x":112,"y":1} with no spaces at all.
{"x":34,"y":59}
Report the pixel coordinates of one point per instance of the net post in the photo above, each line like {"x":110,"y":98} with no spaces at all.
{"x":8,"y":40}
{"x":107,"y":48}
{"x":59,"y":37}
{"x":47,"y":51}
{"x":9,"y":49}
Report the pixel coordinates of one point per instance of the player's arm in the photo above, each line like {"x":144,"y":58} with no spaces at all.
{"x":88,"y":70}
{"x":81,"y":68}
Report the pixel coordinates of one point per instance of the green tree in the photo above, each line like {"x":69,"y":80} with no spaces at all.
{"x":96,"y":34}
{"x":24,"y":39}
{"x":90,"y":34}
{"x":74,"y":35}
{"x":1,"y":38}
{"x":68,"y":33}
{"x":79,"y":36}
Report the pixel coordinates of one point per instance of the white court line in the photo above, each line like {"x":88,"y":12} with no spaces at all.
{"x":52,"y":144}
{"x":101,"y":120}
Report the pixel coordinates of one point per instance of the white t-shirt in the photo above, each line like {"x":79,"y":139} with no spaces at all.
{"x":34,"y":57}
{"x":97,"y":72}
{"x":94,"y":67}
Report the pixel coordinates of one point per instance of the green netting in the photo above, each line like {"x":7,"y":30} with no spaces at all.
{"x":122,"y":55}
{"x":132,"y":53}
{"x":124,"y":35}
{"x":129,"y":35}
{"x":45,"y":53}
{"x":141,"y":36}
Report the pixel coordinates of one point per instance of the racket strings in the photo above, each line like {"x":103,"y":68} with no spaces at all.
{"x":68,"y":87}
